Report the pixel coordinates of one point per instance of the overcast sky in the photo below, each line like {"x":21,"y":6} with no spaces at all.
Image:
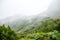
{"x":22,"y":7}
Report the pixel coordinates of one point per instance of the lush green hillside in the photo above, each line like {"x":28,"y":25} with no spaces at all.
{"x":7,"y":34}
{"x":46,"y":25}
{"x":49,"y":29}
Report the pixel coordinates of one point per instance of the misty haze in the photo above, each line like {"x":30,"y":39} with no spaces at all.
{"x":29,"y":19}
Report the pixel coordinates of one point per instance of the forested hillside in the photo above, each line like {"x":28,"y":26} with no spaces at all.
{"x":49,"y":29}
{"x":7,"y":34}
{"x":29,"y":19}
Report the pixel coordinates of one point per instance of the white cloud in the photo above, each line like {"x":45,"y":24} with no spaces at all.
{"x":22,"y":7}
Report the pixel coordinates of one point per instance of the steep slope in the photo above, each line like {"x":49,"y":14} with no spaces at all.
{"x":53,"y":11}
{"x":25,"y":23}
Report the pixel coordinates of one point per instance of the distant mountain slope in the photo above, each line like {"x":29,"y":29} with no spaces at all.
{"x":53,"y":11}
{"x":25,"y":23}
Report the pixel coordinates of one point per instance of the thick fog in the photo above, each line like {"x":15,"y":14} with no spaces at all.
{"x":54,"y":9}
{"x":22,"y":7}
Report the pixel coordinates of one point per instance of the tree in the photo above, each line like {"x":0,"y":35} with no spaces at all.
{"x":7,"y":34}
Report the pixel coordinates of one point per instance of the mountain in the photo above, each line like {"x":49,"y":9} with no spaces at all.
{"x":23,"y":23}
{"x":29,"y":23}
{"x":53,"y":11}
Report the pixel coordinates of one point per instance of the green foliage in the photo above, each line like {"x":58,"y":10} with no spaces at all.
{"x":7,"y":34}
{"x":49,"y":29}
{"x":49,"y":25}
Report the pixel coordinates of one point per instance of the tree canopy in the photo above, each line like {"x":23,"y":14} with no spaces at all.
{"x":7,"y":34}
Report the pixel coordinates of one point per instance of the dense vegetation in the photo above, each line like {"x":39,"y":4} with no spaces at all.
{"x":49,"y":29}
{"x":49,"y":25}
{"x":7,"y":34}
